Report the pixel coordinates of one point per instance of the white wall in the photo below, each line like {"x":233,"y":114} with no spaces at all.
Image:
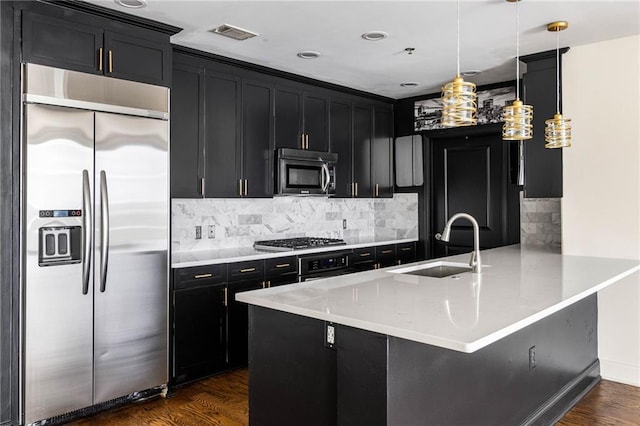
{"x":601,"y":203}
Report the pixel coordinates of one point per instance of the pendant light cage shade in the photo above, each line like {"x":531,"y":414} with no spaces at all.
{"x":557,"y":132}
{"x":459,"y":98}
{"x":518,"y":119}
{"x":459,"y":103}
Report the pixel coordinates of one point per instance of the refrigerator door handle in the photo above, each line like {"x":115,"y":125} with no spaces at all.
{"x":86,"y":231}
{"x":104,"y":231}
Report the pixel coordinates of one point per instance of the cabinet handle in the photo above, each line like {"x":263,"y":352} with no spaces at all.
{"x":387,"y":251}
{"x":283,"y":265}
{"x":365,"y":254}
{"x":202,"y":187}
{"x":269,"y":284}
{"x":377,"y":188}
{"x":197,"y":277}
{"x":356,"y":189}
{"x":264,"y":284}
{"x":246,"y":187}
{"x":110,"y":61}
{"x":100,"y":55}
{"x":242,"y":271}
{"x":353,"y":189}
{"x":399,"y":262}
{"x":225,"y":296}
{"x":306,"y":137}
{"x":240,"y":186}
{"x":301,"y":140}
{"x":406,"y":249}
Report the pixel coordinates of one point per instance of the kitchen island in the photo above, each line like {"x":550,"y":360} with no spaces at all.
{"x":515,"y":344}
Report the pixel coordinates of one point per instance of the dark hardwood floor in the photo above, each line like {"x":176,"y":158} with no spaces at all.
{"x":223,"y":400}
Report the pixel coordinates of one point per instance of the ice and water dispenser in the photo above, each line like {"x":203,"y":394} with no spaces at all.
{"x":59,"y":245}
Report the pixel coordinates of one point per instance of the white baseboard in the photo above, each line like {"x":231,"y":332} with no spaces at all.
{"x":628,"y":374}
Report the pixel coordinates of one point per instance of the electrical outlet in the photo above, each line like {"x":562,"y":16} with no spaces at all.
{"x":330,"y":335}
{"x":198,"y":232}
{"x":344,"y":223}
{"x":532,"y":357}
{"x":212,"y":231}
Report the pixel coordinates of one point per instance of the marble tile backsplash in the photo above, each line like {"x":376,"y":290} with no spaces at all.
{"x":540,"y":221}
{"x":240,"y":222}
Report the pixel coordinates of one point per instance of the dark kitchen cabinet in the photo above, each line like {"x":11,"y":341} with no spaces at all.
{"x":220,"y":132}
{"x":64,"y":38}
{"x":243,"y":276}
{"x":362,"y":130}
{"x":281,"y":271}
{"x":301,"y":119}
{"x":382,"y":153}
{"x":543,"y":166}
{"x":362,"y":259}
{"x":257,"y":153}
{"x":187,"y":131}
{"x":222,"y":142}
{"x":199,"y":323}
{"x":406,"y":253}
{"x":385,"y":255}
{"x":340,"y":137}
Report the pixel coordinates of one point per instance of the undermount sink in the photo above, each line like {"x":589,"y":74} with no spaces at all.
{"x":435,"y":269}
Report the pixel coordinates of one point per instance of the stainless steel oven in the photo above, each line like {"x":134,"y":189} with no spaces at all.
{"x":322,"y":265}
{"x":301,"y":172}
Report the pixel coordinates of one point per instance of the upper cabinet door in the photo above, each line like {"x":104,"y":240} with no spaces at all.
{"x":362,"y":130}
{"x":382,"y":154}
{"x":316,"y":122}
{"x":222,"y":148}
{"x":137,"y":59}
{"x":257,"y":171}
{"x":187,"y":131}
{"x":61,"y":43}
{"x":288,"y":121}
{"x":341,"y":132}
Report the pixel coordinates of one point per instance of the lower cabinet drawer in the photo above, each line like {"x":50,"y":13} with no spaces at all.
{"x":199,"y":275}
{"x":406,"y":252}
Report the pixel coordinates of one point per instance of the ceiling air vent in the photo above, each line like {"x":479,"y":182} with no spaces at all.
{"x":233,"y":32}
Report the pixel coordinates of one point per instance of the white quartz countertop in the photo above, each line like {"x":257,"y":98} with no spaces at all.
{"x":516,"y":288}
{"x":241,"y":254}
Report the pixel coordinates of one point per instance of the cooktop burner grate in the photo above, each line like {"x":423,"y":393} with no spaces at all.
{"x":287,"y":244}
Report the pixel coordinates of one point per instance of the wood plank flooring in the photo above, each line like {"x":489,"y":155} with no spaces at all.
{"x":223,"y":400}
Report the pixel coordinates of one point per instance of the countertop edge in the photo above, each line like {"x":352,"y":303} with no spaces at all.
{"x":273,"y":255}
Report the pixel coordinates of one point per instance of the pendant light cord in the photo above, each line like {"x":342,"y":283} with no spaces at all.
{"x":558,"y":69}
{"x":517,"y":51}
{"x":458,"y":35}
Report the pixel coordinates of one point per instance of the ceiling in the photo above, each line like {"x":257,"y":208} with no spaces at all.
{"x":334,"y":29}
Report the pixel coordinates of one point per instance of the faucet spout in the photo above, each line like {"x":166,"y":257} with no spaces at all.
{"x":475,"y":262}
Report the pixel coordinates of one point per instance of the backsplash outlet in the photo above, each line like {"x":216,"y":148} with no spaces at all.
{"x":240,"y":222}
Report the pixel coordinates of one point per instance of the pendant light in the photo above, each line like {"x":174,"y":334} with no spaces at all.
{"x":459,"y":105}
{"x":517,"y":117}
{"x":557,"y":130}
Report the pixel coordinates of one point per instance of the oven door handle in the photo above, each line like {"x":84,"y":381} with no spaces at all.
{"x":326,"y":177}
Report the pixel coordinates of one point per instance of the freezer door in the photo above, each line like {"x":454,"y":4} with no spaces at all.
{"x":132,"y":216}
{"x":58,"y":300}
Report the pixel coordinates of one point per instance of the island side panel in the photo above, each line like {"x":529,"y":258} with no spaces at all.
{"x":362,"y":377}
{"x":495,"y":385}
{"x":292,"y":375}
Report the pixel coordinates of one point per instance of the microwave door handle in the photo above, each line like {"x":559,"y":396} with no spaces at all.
{"x":325,"y":173}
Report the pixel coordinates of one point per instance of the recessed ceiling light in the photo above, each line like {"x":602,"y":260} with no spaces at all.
{"x":409,"y":84}
{"x":470,"y":73}
{"x":132,"y":4}
{"x":375,"y":35}
{"x":233,"y":32}
{"x":308,"y":54}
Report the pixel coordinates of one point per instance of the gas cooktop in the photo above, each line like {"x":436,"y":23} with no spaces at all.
{"x":296,"y":243}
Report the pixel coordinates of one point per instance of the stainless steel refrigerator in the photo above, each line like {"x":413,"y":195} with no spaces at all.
{"x":95,"y":221}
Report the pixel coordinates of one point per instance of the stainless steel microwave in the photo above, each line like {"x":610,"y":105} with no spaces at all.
{"x":301,"y":172}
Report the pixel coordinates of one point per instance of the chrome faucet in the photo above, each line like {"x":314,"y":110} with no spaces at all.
{"x":446,"y":234}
